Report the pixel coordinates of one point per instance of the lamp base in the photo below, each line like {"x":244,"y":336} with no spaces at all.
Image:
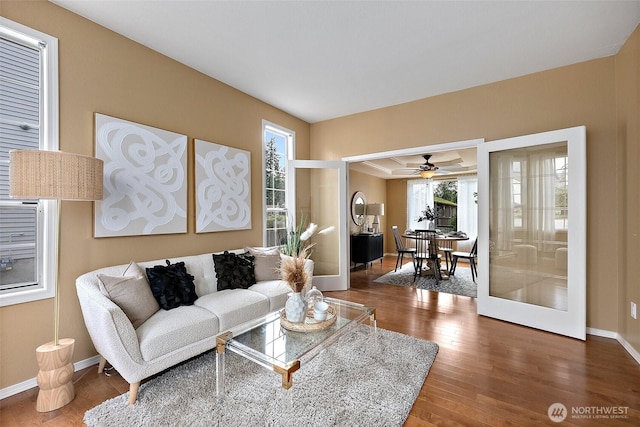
{"x":376,"y":225}
{"x":55,"y":375}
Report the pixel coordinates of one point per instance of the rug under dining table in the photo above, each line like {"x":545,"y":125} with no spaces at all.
{"x":459,"y":284}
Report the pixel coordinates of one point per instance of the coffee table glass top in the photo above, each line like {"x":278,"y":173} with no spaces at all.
{"x":266,"y":342}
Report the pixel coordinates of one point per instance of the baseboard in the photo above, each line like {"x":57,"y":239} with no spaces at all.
{"x":602,"y":333}
{"x":18,"y":388}
{"x":616,"y":336}
{"x":32,"y":383}
{"x":627,"y":346}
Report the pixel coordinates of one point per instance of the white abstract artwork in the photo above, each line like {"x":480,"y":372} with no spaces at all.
{"x":223,"y":187}
{"x":145,"y":180}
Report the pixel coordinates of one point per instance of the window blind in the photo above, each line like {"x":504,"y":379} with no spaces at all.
{"x":20,"y":105}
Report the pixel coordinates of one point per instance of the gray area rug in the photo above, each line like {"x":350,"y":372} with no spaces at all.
{"x":459,"y":284}
{"x":361,"y":380}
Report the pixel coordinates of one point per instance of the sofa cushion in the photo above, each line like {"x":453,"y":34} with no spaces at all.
{"x":267,"y":262}
{"x":171,"y":285}
{"x":235,"y":306}
{"x":132,"y":294}
{"x":234,"y":271}
{"x":276,"y":290}
{"x":169,"y":331}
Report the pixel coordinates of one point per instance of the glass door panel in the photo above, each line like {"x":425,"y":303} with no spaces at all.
{"x":528,"y":225}
{"x":320,"y":198}
{"x":532,"y":231}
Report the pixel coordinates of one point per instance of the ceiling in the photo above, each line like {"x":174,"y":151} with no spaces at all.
{"x":319,"y":60}
{"x":450,"y":163}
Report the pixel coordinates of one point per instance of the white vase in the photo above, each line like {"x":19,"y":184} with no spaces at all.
{"x":295,"y":308}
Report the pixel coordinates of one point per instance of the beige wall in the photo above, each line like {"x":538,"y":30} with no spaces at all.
{"x":375,"y":190}
{"x":397,"y":212}
{"x":101,"y":71}
{"x":628,"y":120}
{"x":581,"y":94}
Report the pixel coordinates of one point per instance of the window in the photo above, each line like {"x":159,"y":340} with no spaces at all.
{"x":419,"y":196}
{"x":516,"y":193}
{"x":278,"y":148}
{"x":467,"y":219}
{"x":561,"y":193}
{"x":559,"y":181}
{"x":28,"y":120}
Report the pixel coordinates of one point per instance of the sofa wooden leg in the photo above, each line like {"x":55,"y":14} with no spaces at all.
{"x":133,"y":392}
{"x":103,"y":362}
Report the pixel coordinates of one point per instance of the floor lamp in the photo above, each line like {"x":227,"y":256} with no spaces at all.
{"x":40,"y":174}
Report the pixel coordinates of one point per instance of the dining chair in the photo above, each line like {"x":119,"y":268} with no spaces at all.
{"x":401,"y":248}
{"x":427,"y":251}
{"x":471,"y":256}
{"x":446,"y":247}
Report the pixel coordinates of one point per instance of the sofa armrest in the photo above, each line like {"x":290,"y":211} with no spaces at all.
{"x":110,"y":330}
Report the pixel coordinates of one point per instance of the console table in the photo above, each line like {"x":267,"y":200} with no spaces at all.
{"x":366,"y":248}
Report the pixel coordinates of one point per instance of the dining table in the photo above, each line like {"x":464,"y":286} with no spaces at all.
{"x":445,"y":244}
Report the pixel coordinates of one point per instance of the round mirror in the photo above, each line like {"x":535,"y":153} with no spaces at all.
{"x":358,"y":203}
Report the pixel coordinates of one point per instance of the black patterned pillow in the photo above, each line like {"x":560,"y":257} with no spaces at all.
{"x":171,"y":285}
{"x":245,"y":268}
{"x":183,"y":283}
{"x":234,"y":271}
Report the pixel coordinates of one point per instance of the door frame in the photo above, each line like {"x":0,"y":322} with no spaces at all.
{"x":436,"y":148}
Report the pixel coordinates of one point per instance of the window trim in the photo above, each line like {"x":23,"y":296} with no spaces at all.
{"x":48,"y":222}
{"x":290,"y":154}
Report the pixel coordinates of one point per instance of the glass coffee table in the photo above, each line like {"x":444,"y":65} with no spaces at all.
{"x":268,"y":343}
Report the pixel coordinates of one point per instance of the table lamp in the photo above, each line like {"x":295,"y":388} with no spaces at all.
{"x":41,"y":174}
{"x":375,"y":209}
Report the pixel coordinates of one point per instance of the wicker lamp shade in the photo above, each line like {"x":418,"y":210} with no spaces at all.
{"x":40,"y":174}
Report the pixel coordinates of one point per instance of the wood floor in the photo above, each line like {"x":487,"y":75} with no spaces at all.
{"x":487,"y":372}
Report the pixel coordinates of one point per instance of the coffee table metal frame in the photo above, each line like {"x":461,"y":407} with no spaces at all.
{"x":265,"y":342}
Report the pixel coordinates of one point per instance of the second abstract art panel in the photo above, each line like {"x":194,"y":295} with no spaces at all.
{"x":223,"y":187}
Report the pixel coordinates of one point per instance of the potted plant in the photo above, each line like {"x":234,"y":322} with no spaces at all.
{"x":431,"y":215}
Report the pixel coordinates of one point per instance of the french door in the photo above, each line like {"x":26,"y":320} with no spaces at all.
{"x":320,"y":191}
{"x":532,"y":231}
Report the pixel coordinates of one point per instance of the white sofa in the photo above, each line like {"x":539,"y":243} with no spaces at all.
{"x":171,"y":336}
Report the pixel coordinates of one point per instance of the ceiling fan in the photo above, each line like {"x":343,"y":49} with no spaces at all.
{"x":427,"y":169}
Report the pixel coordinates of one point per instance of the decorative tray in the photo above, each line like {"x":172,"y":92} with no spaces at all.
{"x":310,"y":324}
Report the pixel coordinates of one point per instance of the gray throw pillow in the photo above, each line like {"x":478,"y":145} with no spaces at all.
{"x":132,"y":294}
{"x":267,"y":262}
